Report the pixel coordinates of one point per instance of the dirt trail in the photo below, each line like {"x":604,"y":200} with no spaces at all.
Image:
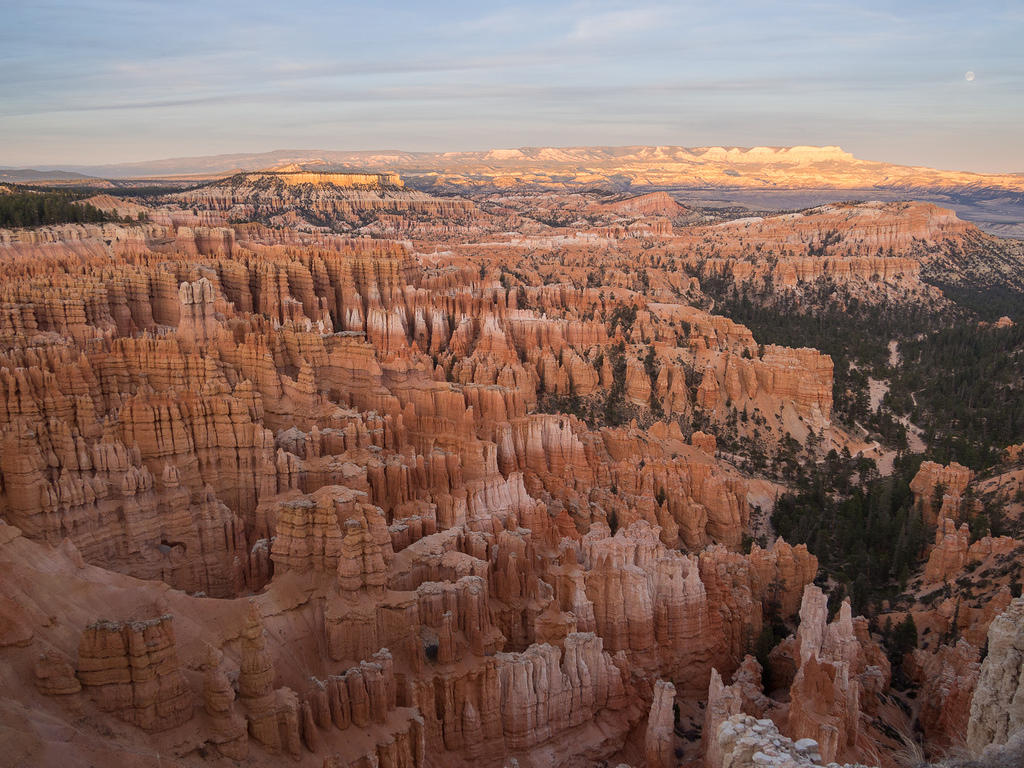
{"x":877,"y":389}
{"x":894,"y":353}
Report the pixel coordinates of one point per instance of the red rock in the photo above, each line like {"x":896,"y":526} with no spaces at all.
{"x":348,"y":431}
{"x":995,"y":708}
{"x":132,"y":669}
{"x":949,"y":554}
{"x":952,"y":480}
{"x":229,"y":732}
{"x":660,"y":736}
{"x":55,"y":676}
{"x":948,"y":679}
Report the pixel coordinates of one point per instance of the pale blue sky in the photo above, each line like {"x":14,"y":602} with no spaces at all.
{"x":99,"y":81}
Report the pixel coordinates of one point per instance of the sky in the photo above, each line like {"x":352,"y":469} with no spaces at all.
{"x":101,"y":81}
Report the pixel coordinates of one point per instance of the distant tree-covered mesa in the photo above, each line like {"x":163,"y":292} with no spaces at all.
{"x":32,"y":209}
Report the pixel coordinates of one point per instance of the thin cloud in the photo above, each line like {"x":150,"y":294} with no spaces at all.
{"x":615,"y":24}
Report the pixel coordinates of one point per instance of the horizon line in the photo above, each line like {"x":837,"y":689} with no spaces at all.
{"x":76,"y":166}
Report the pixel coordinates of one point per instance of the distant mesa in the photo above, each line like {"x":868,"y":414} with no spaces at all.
{"x":680,"y":164}
{"x":652,"y":204}
{"x":23,"y":175}
{"x":294,"y":174}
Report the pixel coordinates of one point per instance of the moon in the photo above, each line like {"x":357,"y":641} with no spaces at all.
{"x":969,"y":76}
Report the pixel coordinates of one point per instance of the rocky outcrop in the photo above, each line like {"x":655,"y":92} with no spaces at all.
{"x":997,"y":709}
{"x":297,"y":175}
{"x":660,"y":736}
{"x":745,"y":742}
{"x":937,"y":490}
{"x":55,"y":676}
{"x":953,"y":551}
{"x":744,"y":696}
{"x":229,"y":735}
{"x":949,"y":554}
{"x":534,"y":684}
{"x":132,"y":669}
{"x":824,"y":707}
{"x":841,"y":671}
{"x":301,"y":199}
{"x":402,"y":747}
{"x":652,"y":204}
{"x":656,"y":604}
{"x":704,"y":441}
{"x":272,"y":713}
{"x":948,"y":679}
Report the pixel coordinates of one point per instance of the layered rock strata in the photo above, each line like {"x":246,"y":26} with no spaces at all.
{"x":409,"y":502}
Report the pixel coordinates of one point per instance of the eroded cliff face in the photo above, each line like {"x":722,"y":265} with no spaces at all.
{"x":153,"y":409}
{"x":948,"y":679}
{"x":997,"y":709}
{"x":323,"y":463}
{"x":938,"y":490}
{"x":270,"y":490}
{"x":405,"y":647}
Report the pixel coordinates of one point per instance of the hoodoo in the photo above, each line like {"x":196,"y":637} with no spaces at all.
{"x":318,"y":466}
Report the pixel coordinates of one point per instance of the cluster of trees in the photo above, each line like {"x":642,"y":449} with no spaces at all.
{"x":653,"y":369}
{"x":899,"y":640}
{"x":33,"y":209}
{"x":982,"y":274}
{"x":964,"y":385}
{"x":864,"y":529}
{"x":624,"y":316}
{"x":615,"y":412}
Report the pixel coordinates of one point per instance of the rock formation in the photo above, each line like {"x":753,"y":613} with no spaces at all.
{"x":997,"y":709}
{"x":837,"y":671}
{"x":55,"y":676}
{"x":658,"y":742}
{"x":417,"y":480}
{"x":745,"y":742}
{"x":132,"y":669}
{"x":229,"y":734}
{"x":948,"y":679}
{"x":937,"y":489}
{"x":825,"y":695}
